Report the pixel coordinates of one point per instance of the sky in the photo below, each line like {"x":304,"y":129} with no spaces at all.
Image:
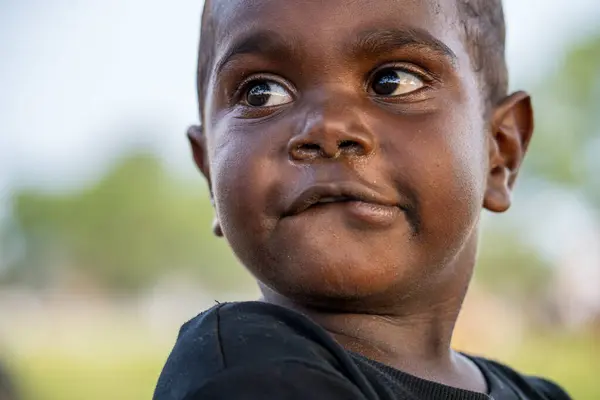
{"x":80,"y":80}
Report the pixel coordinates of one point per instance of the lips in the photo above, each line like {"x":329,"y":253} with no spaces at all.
{"x":328,"y":193}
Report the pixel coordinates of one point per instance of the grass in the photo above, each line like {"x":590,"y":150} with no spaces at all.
{"x":106,"y":376}
{"x":572,"y":362}
{"x":115,"y":372}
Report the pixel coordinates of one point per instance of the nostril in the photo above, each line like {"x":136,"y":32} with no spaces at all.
{"x":350,"y":146}
{"x":306,"y":151}
{"x":309,"y":147}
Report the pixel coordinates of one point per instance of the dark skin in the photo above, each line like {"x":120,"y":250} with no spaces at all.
{"x":349,"y":160}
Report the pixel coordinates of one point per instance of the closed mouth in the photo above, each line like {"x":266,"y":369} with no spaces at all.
{"x":329,"y":193}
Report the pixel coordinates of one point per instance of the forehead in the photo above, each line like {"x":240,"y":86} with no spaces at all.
{"x":314,"y":23}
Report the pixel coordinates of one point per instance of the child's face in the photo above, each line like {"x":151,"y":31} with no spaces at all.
{"x":372,"y":109}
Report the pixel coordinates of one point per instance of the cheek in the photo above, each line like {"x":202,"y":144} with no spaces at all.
{"x":462,"y":148}
{"x":244,"y":184}
{"x":458,"y":177}
{"x":442,"y":157}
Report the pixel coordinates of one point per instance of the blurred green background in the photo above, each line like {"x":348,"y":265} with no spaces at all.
{"x":105,"y":239}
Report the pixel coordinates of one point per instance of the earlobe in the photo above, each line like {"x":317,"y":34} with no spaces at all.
{"x":216,"y":226}
{"x":512,"y":128}
{"x":197,"y":141}
{"x":217,"y":231}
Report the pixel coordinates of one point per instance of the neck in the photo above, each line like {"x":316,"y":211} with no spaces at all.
{"x":414,"y":336}
{"x":402,"y":340}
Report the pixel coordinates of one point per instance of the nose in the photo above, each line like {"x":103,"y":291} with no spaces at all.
{"x":330,"y":134}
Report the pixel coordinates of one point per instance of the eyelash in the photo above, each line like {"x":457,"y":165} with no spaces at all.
{"x":246,"y":83}
{"x":427,"y":77}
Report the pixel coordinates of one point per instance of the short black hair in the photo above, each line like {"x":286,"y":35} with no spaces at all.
{"x":484,"y":35}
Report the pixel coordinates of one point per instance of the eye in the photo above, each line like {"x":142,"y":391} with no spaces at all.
{"x":266,"y":93}
{"x":395,"y":82}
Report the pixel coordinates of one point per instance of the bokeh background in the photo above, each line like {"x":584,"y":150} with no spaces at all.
{"x":105,"y":239}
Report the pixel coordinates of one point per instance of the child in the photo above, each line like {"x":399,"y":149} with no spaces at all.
{"x":349,"y":147}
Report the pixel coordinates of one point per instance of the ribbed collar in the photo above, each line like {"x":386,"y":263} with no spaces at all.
{"x":425,"y":389}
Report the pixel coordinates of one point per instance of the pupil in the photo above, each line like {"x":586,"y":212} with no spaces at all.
{"x":258,"y":95}
{"x":386,"y":83}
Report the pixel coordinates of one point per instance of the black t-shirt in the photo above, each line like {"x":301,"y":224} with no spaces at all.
{"x":256,"y":350}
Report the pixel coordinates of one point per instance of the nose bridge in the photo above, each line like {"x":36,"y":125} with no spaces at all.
{"x":332,"y":106}
{"x":332,"y":113}
{"x":332,"y":126}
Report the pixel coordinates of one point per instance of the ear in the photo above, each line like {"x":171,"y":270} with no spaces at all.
{"x":512,"y":127}
{"x":197,"y":141}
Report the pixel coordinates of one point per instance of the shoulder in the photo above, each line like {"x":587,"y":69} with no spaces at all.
{"x":236,"y":333}
{"x":244,"y":342}
{"x":502,"y":377}
{"x":549,"y":388}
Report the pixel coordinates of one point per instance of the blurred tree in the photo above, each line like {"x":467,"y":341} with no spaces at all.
{"x":132,"y":227}
{"x":566,"y":147}
{"x":138,"y":223}
{"x":512,"y":269}
{"x":563,"y":154}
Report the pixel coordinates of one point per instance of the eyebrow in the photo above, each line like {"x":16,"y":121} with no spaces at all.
{"x":265,"y":43}
{"x":371,"y":42}
{"x":385,"y":40}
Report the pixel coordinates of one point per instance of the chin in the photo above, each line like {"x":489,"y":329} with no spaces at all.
{"x":348,"y":280}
